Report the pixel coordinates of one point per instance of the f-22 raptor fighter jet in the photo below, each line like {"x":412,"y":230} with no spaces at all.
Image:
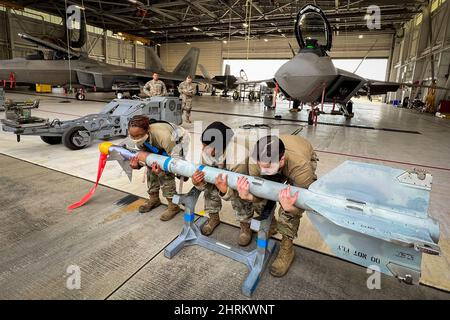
{"x":70,"y":66}
{"x":311,"y":77}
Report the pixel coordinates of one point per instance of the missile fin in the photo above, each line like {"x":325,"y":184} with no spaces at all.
{"x":362,"y":220}
{"x":375,"y":185}
{"x":124,"y":164}
{"x":370,"y":252}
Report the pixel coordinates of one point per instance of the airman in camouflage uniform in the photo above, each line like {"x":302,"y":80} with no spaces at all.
{"x":215,"y":136}
{"x":155,"y":87}
{"x":168,"y":139}
{"x":187,"y":90}
{"x":295,"y":164}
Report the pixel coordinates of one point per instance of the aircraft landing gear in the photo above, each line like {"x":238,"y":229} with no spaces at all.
{"x":348,"y":112}
{"x":251,"y":96}
{"x":350,"y":107}
{"x":80,"y":95}
{"x":236,"y":95}
{"x":313,"y":114}
{"x":311,"y":117}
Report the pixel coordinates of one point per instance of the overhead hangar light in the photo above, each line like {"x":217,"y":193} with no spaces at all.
{"x":196,"y":28}
{"x":188,"y":43}
{"x":225,"y":41}
{"x":245,"y":25}
{"x":360,"y":36}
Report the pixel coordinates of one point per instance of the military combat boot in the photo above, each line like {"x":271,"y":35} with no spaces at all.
{"x":284,"y":258}
{"x":245,"y":235}
{"x":211,"y":224}
{"x":171,"y":211}
{"x":151,"y":203}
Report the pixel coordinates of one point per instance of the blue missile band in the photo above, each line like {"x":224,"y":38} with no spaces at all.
{"x":189,"y":217}
{"x":201,"y":167}
{"x":166,"y":164}
{"x":262,"y":243}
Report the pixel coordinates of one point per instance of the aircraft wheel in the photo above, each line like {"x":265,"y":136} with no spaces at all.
{"x":350,"y":107}
{"x":297,"y":105}
{"x":235,"y":95}
{"x":51,"y":139}
{"x":311,"y":117}
{"x":80,"y":96}
{"x":251,"y":96}
{"x":76,"y":138}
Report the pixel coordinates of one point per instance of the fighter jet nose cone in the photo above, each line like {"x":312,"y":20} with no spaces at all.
{"x":303,"y":76}
{"x":284,"y":75}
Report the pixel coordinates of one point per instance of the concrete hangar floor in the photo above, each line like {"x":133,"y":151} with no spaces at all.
{"x":120,"y":251}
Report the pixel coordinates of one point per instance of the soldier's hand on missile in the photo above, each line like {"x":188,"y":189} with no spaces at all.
{"x":142,"y":156}
{"x":156,"y":169}
{"x":134,"y":163}
{"x":198,"y":178}
{"x":221,"y":183}
{"x":243,"y":187}
{"x":286,"y":200}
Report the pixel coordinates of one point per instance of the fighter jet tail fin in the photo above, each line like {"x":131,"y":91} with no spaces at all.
{"x":155,"y":63}
{"x":204,"y":71}
{"x":227,"y":70}
{"x":188,"y":65}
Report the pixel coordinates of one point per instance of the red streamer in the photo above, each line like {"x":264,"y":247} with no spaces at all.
{"x":87,"y":196}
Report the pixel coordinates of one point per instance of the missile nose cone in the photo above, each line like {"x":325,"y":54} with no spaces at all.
{"x":104,"y":147}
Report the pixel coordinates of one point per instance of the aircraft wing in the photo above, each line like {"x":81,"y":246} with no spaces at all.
{"x":48,"y":45}
{"x":104,"y":77}
{"x":382,"y":87}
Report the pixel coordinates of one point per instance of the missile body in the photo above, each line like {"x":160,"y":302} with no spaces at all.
{"x":373,"y":215}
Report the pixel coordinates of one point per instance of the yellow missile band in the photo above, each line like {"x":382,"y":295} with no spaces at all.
{"x":104,"y":147}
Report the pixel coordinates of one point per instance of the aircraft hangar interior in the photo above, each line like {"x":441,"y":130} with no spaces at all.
{"x":224,"y":150}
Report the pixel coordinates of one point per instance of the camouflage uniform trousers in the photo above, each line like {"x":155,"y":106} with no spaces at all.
{"x":288,"y":224}
{"x":164,"y":180}
{"x":187,"y":105}
{"x":213,"y":204}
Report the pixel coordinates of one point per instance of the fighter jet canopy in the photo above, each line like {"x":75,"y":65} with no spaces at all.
{"x":312,"y":30}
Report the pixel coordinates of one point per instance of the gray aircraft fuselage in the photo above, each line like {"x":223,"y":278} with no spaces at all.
{"x":84,"y":71}
{"x":306,"y":75}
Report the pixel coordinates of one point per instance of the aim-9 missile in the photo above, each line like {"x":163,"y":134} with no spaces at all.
{"x":372,"y":215}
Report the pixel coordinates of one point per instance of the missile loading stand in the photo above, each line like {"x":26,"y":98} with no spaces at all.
{"x":256,"y":260}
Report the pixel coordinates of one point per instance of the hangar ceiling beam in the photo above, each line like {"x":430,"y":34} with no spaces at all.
{"x":201,"y":8}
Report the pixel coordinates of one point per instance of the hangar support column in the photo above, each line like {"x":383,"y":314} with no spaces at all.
{"x":10,"y":34}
